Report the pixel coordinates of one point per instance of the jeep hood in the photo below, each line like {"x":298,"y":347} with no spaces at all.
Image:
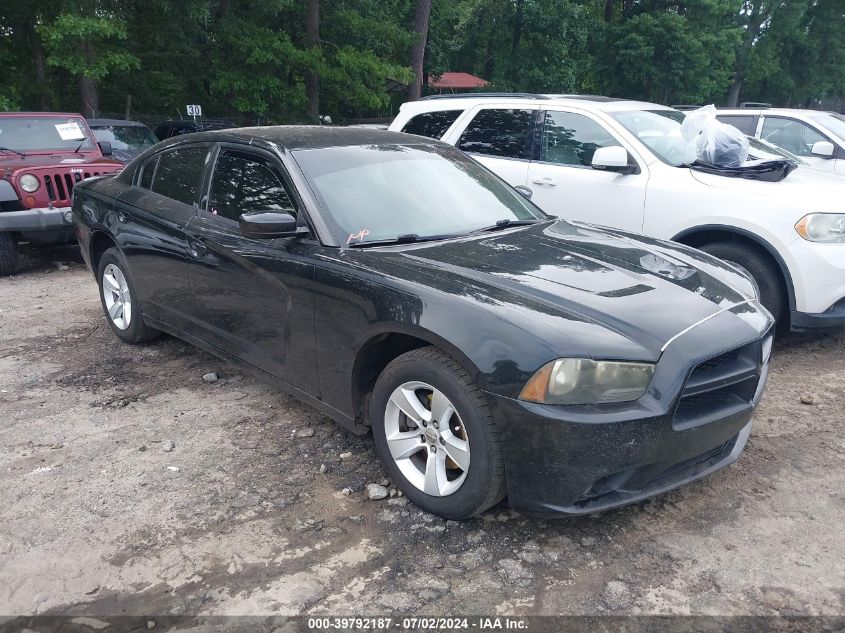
{"x":645,"y":290}
{"x":11,"y":162}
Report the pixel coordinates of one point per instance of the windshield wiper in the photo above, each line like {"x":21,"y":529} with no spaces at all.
{"x":9,"y":149}
{"x":407,"y":238}
{"x":505,"y":223}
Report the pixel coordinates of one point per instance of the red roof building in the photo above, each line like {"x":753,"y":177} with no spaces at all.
{"x":456,"y":81}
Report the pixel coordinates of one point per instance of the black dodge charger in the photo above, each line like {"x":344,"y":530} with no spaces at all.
{"x":399,"y":287}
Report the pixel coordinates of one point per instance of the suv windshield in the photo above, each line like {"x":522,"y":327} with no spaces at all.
{"x":660,"y":131}
{"x":385,"y":192}
{"x":127,"y":141}
{"x":31,"y":134}
{"x":833,"y":122}
{"x":763,"y":150}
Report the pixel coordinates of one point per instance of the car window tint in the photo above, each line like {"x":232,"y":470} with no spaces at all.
{"x":791,"y":135}
{"x":431,"y":124}
{"x":179,"y":172}
{"x":572,"y":139}
{"x":499,"y":133}
{"x":244,"y":184}
{"x":147,"y":171}
{"x":745,"y":124}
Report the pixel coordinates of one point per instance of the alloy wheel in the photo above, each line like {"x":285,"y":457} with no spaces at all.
{"x":427,"y":439}
{"x":117,"y":297}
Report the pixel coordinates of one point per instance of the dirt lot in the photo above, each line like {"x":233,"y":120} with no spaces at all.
{"x":245,"y":514}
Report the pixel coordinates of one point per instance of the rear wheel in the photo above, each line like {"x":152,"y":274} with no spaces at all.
{"x":120,"y":302}
{"x":758,"y":266}
{"x":8,"y":254}
{"x":435,"y":435}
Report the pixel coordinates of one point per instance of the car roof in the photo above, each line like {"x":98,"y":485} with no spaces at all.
{"x":42,"y":114}
{"x":756,"y":111}
{"x":117,"y":122}
{"x":469,"y":100}
{"x":295,"y":137}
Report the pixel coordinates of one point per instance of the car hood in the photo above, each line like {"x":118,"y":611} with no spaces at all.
{"x":646,"y":290}
{"x":10,"y":162}
{"x":809,"y":189}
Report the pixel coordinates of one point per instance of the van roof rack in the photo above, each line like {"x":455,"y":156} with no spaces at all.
{"x":754,"y":104}
{"x":485,"y":95}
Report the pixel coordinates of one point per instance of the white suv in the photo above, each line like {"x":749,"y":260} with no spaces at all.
{"x":817,"y":137}
{"x":623,"y":164}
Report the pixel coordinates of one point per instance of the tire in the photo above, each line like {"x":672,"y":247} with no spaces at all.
{"x":8,"y":254}
{"x":758,"y":265}
{"x":477,"y":473}
{"x":116,"y":287}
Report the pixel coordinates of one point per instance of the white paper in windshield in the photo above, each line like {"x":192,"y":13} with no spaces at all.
{"x":70,"y":131}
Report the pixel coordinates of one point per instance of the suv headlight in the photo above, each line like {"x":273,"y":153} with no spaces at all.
{"x":29,"y":183}
{"x":585,"y":381}
{"x":822,"y":227}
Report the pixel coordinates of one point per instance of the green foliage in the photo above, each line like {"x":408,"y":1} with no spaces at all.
{"x":248,"y":60}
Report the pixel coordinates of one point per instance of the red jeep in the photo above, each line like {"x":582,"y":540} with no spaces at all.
{"x":42,"y":156}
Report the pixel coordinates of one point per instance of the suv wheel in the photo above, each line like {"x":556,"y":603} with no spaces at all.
{"x":8,"y":254}
{"x":758,"y":266}
{"x":435,"y":435}
{"x":120,"y":302}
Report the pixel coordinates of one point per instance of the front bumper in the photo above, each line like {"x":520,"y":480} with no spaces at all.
{"x":34,"y":220}
{"x":818,"y":276}
{"x":584,"y":459}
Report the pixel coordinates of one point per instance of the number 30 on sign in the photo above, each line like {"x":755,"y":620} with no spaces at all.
{"x":194,"y":110}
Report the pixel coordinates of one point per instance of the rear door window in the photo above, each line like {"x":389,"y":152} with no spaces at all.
{"x":499,"y":132}
{"x":432,"y":124}
{"x":745,"y":124}
{"x":179,"y":173}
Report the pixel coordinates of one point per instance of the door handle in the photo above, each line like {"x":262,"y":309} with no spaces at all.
{"x":545,"y":181}
{"x":121,"y":216}
{"x":197,"y":249}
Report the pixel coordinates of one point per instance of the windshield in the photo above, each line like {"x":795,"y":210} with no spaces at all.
{"x":660,"y":131}
{"x":127,"y":141}
{"x":31,"y":134}
{"x":381,"y":192}
{"x":833,"y":122}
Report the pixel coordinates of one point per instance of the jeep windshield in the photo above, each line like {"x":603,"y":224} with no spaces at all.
{"x":32,"y":134}
{"x":409,"y":193}
{"x":660,"y":131}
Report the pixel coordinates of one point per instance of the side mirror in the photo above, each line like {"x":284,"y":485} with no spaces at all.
{"x":524,"y":191}
{"x":614,"y":158}
{"x":823,"y":149}
{"x":269,"y":225}
{"x":105,"y":148}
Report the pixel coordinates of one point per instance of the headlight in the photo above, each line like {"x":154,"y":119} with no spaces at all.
{"x":822,"y":227}
{"x":29,"y":183}
{"x":584,"y":381}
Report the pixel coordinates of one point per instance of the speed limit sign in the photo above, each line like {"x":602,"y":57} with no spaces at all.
{"x":194,"y":110}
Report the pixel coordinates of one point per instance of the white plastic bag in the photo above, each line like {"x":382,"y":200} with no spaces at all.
{"x":715,"y":142}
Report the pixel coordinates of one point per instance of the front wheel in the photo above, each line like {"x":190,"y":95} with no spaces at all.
{"x":120,"y":301}
{"x":435,"y":435}
{"x":758,"y":266}
{"x":8,"y":254}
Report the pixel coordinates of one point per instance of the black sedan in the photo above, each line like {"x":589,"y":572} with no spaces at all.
{"x":399,"y":287}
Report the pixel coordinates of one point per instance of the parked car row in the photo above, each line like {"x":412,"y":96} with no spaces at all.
{"x":624,"y":164}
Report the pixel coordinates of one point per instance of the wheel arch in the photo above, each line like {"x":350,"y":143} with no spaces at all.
{"x":100,"y":242}
{"x":699,"y":235}
{"x":380,"y":348}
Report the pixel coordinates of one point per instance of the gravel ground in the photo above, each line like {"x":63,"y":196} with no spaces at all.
{"x":130,"y":485}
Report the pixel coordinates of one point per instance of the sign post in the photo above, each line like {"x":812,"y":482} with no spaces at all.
{"x":194,"y":110}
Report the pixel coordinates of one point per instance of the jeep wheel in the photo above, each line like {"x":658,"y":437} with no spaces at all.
{"x":120,"y":302}
{"x":8,"y":254}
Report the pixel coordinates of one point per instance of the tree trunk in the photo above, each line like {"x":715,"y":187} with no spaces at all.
{"x":89,"y":97}
{"x":38,"y":66}
{"x":608,"y":10}
{"x":312,"y":37}
{"x":418,"y":49}
{"x":755,"y":20}
{"x":516,"y":36}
